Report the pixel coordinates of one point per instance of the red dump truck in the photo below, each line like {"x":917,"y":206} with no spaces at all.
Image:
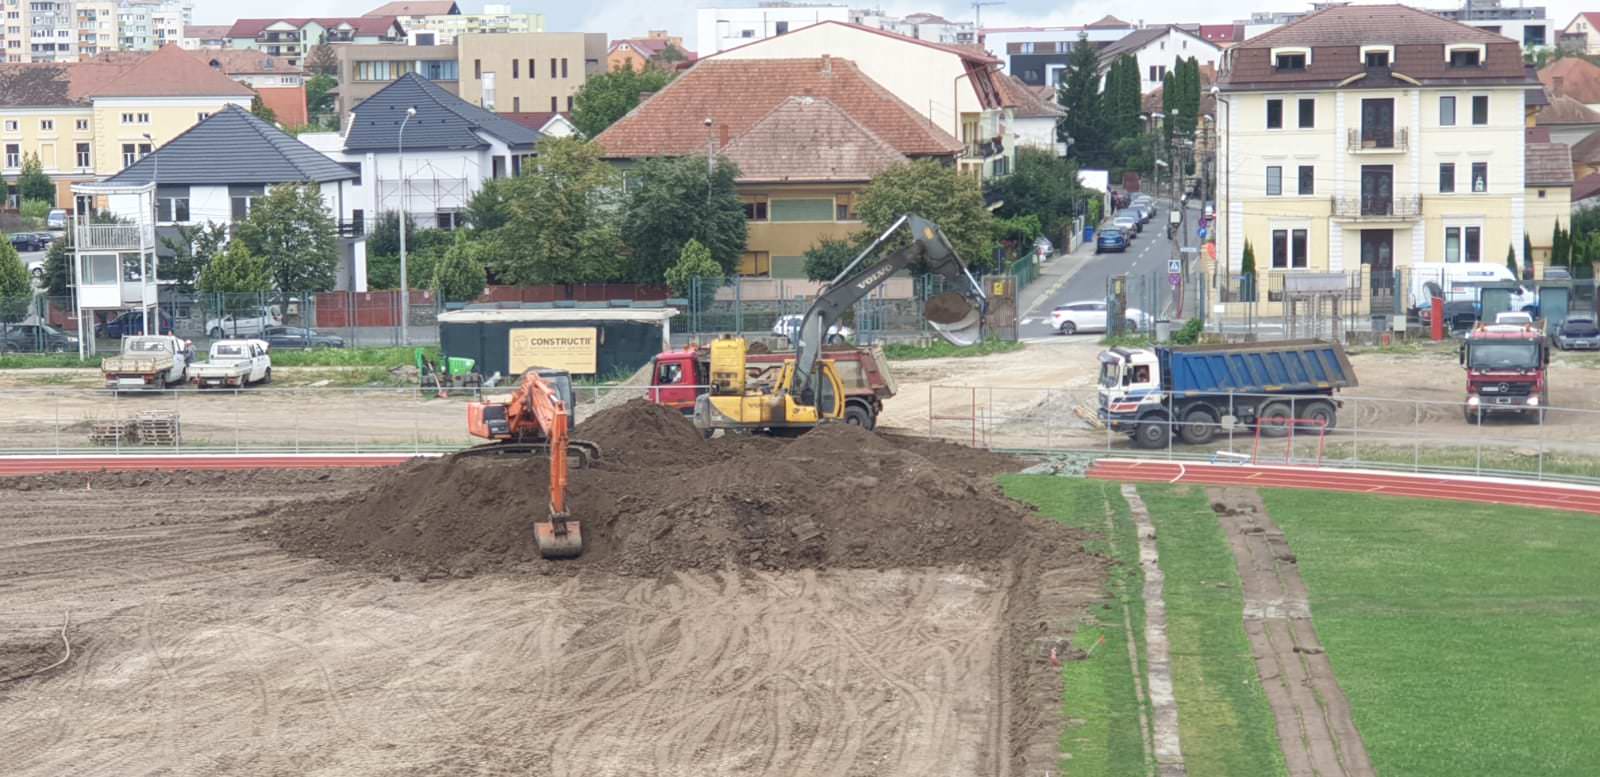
{"x":1507,"y":368}
{"x":678,"y":377}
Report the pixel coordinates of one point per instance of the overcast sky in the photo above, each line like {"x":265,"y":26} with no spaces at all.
{"x":621,"y":18}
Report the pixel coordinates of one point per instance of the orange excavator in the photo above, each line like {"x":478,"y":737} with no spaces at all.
{"x":535,"y":419}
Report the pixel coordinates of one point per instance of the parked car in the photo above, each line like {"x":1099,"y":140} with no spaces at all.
{"x":36,"y":338}
{"x":1578,"y":333}
{"x":56,"y":219}
{"x":280,"y":337}
{"x":1090,"y":316}
{"x":1557,"y":274}
{"x":233,"y":364}
{"x":1128,"y":221}
{"x":28,"y":241}
{"x":1110,"y":239}
{"x":1514,"y":317}
{"x":789,"y":326}
{"x":131,"y":323}
{"x":246,"y":323}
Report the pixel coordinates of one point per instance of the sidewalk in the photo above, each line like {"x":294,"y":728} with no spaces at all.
{"x":1053,"y":274}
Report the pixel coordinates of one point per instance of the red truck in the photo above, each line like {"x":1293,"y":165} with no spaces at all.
{"x":1506,"y":370}
{"x":678,"y":377}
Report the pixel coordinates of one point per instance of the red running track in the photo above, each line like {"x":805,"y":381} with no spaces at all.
{"x":1499,"y":491}
{"x":38,"y":465}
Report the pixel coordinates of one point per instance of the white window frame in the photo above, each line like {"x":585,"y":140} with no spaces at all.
{"x":1289,"y":227}
{"x":1462,"y":225}
{"x":1278,"y":51}
{"x":1376,"y":49}
{"x":1483,"y":51}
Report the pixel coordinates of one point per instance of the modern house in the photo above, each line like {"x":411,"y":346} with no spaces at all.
{"x":280,"y":85}
{"x":725,"y":27}
{"x":547,"y":123}
{"x":441,"y":22}
{"x":1034,"y":117}
{"x":1157,"y":48}
{"x":293,"y":38}
{"x":649,"y":51}
{"x":1039,"y":55}
{"x":1582,"y":34}
{"x":1366,"y":139}
{"x":428,"y":165}
{"x":955,"y":88}
{"x":808,"y":135}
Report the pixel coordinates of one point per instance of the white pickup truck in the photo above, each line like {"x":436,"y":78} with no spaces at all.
{"x":235,"y":363}
{"x":148,"y":362}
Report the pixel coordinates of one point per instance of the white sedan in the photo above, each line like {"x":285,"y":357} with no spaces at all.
{"x":1090,"y":316}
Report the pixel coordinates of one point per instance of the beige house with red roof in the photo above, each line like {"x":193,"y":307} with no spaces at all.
{"x":1582,"y":34}
{"x":91,"y":119}
{"x":293,"y":38}
{"x":807,"y":134}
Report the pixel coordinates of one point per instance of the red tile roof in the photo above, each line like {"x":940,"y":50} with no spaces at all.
{"x":1586,"y":187}
{"x":416,"y":8}
{"x":1025,"y":102}
{"x":205,"y":31}
{"x":364,"y":25}
{"x":809,"y":139}
{"x":288,"y":104}
{"x":1222,"y":33}
{"x":167,"y":72}
{"x":1565,"y":110}
{"x":736,"y":94}
{"x":1547,"y":164}
{"x":245,"y":61}
{"x":1579,"y":79}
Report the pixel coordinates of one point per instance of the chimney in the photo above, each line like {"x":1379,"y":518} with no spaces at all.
{"x":722,"y":135}
{"x":1555,"y":85}
{"x":827,"y":65}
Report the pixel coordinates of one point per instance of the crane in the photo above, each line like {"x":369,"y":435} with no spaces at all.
{"x":535,"y":419}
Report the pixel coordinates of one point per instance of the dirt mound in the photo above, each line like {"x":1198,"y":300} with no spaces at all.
{"x":662,"y":498}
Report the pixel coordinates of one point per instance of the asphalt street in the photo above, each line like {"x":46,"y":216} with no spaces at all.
{"x":1085,"y":280}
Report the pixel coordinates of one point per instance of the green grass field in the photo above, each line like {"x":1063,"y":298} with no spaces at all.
{"x":940,"y":349}
{"x":1465,"y":636}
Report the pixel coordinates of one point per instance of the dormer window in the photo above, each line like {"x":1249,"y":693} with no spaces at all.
{"x":1377,"y":56}
{"x":1468,"y":55}
{"x":1377,"y":59}
{"x":1290,"y":62}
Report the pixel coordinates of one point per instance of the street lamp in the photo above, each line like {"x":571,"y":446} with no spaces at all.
{"x":144,"y":279}
{"x":405,"y":219}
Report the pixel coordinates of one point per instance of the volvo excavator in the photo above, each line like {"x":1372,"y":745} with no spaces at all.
{"x":807,"y":390}
{"x":535,"y":420}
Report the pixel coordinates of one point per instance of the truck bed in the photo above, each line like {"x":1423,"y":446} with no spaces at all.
{"x":1288,"y":367}
{"x":143,"y":364}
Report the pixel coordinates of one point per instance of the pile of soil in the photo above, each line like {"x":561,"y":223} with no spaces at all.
{"x":663,"y":498}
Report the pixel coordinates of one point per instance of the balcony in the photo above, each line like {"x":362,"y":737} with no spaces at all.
{"x":1374,"y":209}
{"x":1370,"y":142}
{"x":983,"y":149}
{"x":114,"y":237}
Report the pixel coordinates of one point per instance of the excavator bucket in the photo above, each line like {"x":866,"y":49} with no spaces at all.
{"x":558,"y":538}
{"x":955,"y":318}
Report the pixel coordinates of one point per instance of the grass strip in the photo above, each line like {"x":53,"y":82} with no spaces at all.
{"x":1101,"y":703}
{"x":941,"y":349}
{"x":1464,"y":635}
{"x":1224,"y":720}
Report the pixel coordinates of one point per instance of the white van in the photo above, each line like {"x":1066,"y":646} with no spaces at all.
{"x":1455,"y":281}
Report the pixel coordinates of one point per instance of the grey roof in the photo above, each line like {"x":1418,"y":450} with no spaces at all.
{"x":1133,"y":41}
{"x":443,"y":120}
{"x":232,"y":146}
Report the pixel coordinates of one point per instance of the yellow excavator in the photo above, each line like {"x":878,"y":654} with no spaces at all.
{"x":807,"y":390}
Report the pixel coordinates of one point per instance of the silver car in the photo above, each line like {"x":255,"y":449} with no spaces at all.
{"x":1578,"y":333}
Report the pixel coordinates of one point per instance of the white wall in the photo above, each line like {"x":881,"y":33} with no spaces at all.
{"x":720,"y":29}
{"x":995,"y":40}
{"x":1037,"y":133}
{"x":1165,"y":50}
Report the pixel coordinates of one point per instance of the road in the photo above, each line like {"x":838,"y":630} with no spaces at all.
{"x":1145,"y":259}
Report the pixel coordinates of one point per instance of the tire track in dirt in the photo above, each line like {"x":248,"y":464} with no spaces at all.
{"x":1315,"y":728}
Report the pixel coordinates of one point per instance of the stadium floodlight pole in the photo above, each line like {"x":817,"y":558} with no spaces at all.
{"x":405,"y":220}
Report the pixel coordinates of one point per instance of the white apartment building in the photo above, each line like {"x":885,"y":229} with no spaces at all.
{"x":723,"y":28}
{"x":135,"y":26}
{"x":444,"y":29}
{"x":1157,"y":48}
{"x":922,"y":26}
{"x":1339,"y":158}
{"x":46,"y":31}
{"x":1043,"y":51}
{"x":97,"y":27}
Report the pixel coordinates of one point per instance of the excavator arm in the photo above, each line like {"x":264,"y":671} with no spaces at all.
{"x":956,"y":316}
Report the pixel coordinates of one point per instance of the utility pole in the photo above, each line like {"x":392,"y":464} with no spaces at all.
{"x":977,"y":13}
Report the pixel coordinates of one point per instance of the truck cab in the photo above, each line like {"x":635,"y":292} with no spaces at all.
{"x":1130,"y":379}
{"x":1506,"y":368}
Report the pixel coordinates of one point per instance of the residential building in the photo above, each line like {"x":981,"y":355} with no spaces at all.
{"x":1157,"y":48}
{"x":533,"y":71}
{"x":1573,"y":77}
{"x":1548,"y":170}
{"x":807,"y":134}
{"x":1038,"y":55}
{"x":1034,"y":117}
{"x":1585,"y":156}
{"x":953,"y":87}
{"x":204,"y":36}
{"x":440,"y":22}
{"x":366,"y":69}
{"x":722,"y":28}
{"x":1582,"y":34}
{"x":167,"y":20}
{"x":135,"y":26}
{"x":450,"y":148}
{"x":1567,"y":120}
{"x":649,"y":51}
{"x":196,"y":185}
{"x":922,"y":26}
{"x":293,"y":38}
{"x":1370,"y":158}
{"x":546,"y":123}
{"x":51,"y":28}
{"x":1222,"y":35}
{"x":91,"y":119}
{"x":97,"y":27}
{"x":280,"y":85}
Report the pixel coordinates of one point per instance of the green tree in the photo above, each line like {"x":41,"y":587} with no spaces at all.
{"x":606,"y":97}
{"x":1017,"y":234}
{"x":1511,"y":261}
{"x":33,"y":184}
{"x":696,"y":273}
{"x":676,"y":200}
{"x":320,"y":99}
{"x":1079,"y":95}
{"x":459,"y":274}
{"x":261,"y":111}
{"x":190,"y":250}
{"x":322,"y":61}
{"x":1247,"y":269}
{"x":826,"y":259}
{"x":383,"y":270}
{"x":490,"y":208}
{"x":671,"y":54}
{"x":16,"y":287}
{"x":384,"y":240}
{"x":235,"y":271}
{"x":291,"y":229}
{"x":1560,"y":251}
{"x":1042,"y":185}
{"x":58,"y":269}
{"x":1527,"y":256}
{"x":561,"y":223}
{"x":937,"y":193}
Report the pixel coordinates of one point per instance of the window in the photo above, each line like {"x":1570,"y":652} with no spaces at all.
{"x":1464,"y":58}
{"x":1447,"y":111}
{"x":135,"y":118}
{"x":552,"y":67}
{"x":755,"y":211}
{"x":516,"y":68}
{"x":569,"y":103}
{"x":240,"y":206}
{"x":844,"y":208}
{"x":747,"y":33}
{"x":172,"y":209}
{"x":13,"y":155}
{"x":99,"y":269}
{"x":477,"y":68}
{"x":1447,"y":177}
{"x":83,"y":155}
{"x":11,"y":125}
{"x":1377,"y":59}
{"x":1291,"y":62}
{"x":1480,"y":109}
{"x":1480,"y":177}
{"x":533,"y":69}
{"x":1463,"y":244}
{"x":358,"y":222}
{"x":1274,"y":114}
{"x":129,"y":154}
{"x":47,"y":125}
{"x":447,"y":219}
{"x":516,"y":104}
{"x":440,"y":70}
{"x":563,"y":67}
{"x":1289,"y":249}
{"x":1158,"y":72}
{"x":1000,"y":167}
{"x":1308,"y":113}
{"x":553,"y":105}
{"x":819,"y":209}
{"x":1472,"y":244}
{"x":1274,"y":181}
{"x":1307,"y":179}
{"x":1280,"y":249}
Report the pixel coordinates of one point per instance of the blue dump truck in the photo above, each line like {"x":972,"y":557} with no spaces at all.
{"x":1197,"y":391}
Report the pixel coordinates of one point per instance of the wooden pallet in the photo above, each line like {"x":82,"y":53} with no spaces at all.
{"x":112,"y":432}
{"x":157,"y":427}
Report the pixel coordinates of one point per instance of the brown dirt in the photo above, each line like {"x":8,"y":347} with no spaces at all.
{"x":1315,"y":729}
{"x":662,"y":499}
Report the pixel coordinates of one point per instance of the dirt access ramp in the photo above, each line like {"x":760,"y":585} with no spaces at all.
{"x":1315,"y":729}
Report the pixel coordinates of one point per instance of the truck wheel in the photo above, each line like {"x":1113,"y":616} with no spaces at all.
{"x":1152,"y":433}
{"x":216,"y":333}
{"x":1320,"y":411}
{"x":1198,"y":426}
{"x":1069,"y":328}
{"x":267,"y":378}
{"x":1473,"y":415}
{"x":1273,"y":419}
{"x":855,"y":415}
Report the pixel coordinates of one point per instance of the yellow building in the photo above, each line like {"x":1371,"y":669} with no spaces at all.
{"x":1367,"y":139}
{"x":651,"y":50}
{"x":1548,"y":198}
{"x":90,"y":119}
{"x":536,"y":71}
